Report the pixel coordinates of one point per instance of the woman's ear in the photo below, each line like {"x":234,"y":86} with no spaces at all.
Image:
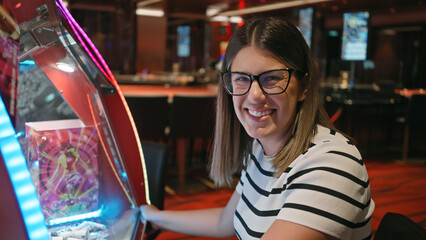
{"x":303,"y":88}
{"x":302,"y":95}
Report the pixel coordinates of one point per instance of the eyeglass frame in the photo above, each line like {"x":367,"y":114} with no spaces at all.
{"x":257,"y":78}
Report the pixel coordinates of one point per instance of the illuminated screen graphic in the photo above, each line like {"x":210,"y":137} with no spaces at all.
{"x":355,"y":34}
{"x":183,"y":41}
{"x":305,"y":24}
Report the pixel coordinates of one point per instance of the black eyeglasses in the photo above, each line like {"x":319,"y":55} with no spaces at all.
{"x":271,"y":82}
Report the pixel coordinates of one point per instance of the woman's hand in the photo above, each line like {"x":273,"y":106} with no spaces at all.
{"x":211,"y":222}
{"x":148,"y":213}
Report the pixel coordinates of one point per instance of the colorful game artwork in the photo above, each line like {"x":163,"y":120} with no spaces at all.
{"x":9,"y":50}
{"x":63,"y":161}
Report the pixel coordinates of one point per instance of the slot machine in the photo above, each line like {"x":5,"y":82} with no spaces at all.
{"x":71,"y":162}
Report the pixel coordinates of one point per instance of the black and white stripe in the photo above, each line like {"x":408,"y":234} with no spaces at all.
{"x":326,"y":188}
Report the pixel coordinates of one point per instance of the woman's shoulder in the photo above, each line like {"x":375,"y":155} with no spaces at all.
{"x":326,"y":135}
{"x":327,"y":140}
{"x":330,"y":149}
{"x":332,"y":172}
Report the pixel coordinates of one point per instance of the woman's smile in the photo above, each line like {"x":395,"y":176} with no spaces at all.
{"x":260,"y":115}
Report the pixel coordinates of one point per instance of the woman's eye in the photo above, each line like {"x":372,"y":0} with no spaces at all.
{"x":241,"y":78}
{"x":271,"y":78}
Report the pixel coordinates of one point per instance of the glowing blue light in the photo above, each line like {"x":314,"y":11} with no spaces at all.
{"x":14,"y":162}
{"x":25,"y":190}
{"x":28,"y":63}
{"x":333,"y":33}
{"x":21,"y":179}
{"x":11,"y":147}
{"x":35,"y":218}
{"x":38,"y":234}
{"x":29,"y":204}
{"x":6,"y":132}
{"x":20,"y":134}
{"x":73,"y":218}
{"x":49,"y":97}
{"x":3,"y":120}
{"x":19,"y":176}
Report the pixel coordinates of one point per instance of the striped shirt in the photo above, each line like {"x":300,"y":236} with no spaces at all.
{"x":326,"y":188}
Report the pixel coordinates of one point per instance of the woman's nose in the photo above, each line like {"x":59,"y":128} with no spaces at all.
{"x":255,"y":91}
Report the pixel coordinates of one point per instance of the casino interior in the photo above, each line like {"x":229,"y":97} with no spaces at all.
{"x":368,"y":95}
{"x":376,"y":97}
{"x":150,"y":69}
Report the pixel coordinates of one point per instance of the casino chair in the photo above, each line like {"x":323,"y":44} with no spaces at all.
{"x":414,"y":127}
{"x":395,"y":226}
{"x":156,"y":156}
{"x":151,"y":116}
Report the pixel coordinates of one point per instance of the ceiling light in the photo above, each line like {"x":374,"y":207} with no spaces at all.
{"x":219,"y":19}
{"x":270,"y":7}
{"x":233,"y":19}
{"x":151,"y":12}
{"x":214,"y":9}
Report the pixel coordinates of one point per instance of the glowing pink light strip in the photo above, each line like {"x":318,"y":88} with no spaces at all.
{"x":76,"y":28}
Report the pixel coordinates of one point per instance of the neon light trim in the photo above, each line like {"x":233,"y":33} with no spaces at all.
{"x":21,"y":179}
{"x":78,"y":217}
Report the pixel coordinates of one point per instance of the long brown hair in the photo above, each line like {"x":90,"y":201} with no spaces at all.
{"x":232,"y":144}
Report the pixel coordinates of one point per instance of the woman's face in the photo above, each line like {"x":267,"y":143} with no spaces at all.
{"x":265,"y":117}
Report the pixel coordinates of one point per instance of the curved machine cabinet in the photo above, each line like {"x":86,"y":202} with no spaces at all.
{"x":71,"y":161}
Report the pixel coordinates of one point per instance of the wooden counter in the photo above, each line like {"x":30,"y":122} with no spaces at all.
{"x":410,"y":92}
{"x":170,"y":91}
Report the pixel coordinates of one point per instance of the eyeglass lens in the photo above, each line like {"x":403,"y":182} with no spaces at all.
{"x":272,"y":82}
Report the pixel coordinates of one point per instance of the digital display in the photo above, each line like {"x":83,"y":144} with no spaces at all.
{"x":183,"y":41}
{"x":305,"y":24}
{"x":355,"y":34}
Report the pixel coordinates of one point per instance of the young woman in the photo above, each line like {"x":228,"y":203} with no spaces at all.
{"x":299,"y":178}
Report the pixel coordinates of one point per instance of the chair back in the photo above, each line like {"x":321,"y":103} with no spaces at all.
{"x":416,"y":118}
{"x":150,"y":114}
{"x":417,"y":110}
{"x":156,"y":156}
{"x":192,"y":116}
{"x":396,"y":226}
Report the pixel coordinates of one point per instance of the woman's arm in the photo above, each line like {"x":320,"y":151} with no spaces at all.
{"x":281,"y":229}
{"x":214,"y":222}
